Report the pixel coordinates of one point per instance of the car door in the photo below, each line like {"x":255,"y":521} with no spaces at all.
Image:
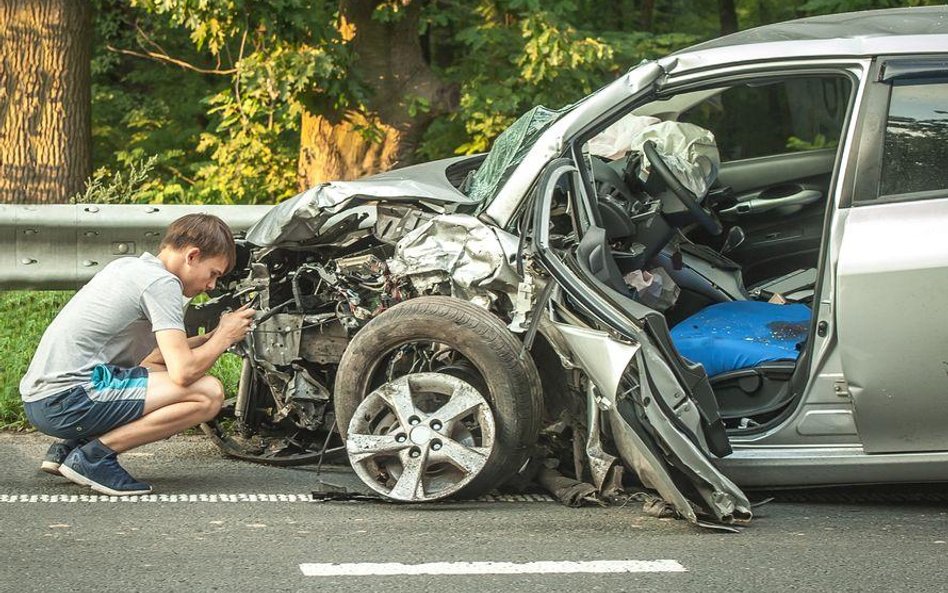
{"x":777,"y":138}
{"x":892,"y":273}
{"x":659,"y":426}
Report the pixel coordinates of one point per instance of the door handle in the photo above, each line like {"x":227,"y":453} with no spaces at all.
{"x":758,"y":205}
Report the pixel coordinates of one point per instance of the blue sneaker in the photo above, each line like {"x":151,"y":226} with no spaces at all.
{"x":104,"y":475}
{"x":55,"y":456}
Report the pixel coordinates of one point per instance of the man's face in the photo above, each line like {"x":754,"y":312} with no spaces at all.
{"x":200,"y":274}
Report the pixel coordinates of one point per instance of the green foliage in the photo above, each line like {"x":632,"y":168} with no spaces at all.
{"x":530,"y":53}
{"x":106,"y":187}
{"x":218,"y":88}
{"x":820,"y":141}
{"x":143,"y":108}
{"x":33,"y":312}
{"x":227,"y":369}
{"x":215,"y":92}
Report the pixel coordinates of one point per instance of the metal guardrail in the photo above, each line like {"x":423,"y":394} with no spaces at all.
{"x":62,"y":246}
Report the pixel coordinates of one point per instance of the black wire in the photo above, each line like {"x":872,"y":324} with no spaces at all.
{"x":322,"y":452}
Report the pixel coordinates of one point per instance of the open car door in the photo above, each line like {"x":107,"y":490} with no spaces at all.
{"x":657,"y":411}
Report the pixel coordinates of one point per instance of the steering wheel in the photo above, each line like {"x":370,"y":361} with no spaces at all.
{"x":689,"y":199}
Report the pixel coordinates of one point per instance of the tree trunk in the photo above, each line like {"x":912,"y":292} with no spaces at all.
{"x":728,"y":15}
{"x":391,"y":64}
{"x":45,"y":99}
{"x":646,"y":15}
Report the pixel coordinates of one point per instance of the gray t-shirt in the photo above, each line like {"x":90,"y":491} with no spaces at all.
{"x":111,"y":320}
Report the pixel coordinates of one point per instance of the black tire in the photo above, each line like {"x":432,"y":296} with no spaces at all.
{"x":512,"y":382}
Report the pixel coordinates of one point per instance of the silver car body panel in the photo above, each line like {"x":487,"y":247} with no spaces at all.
{"x":776,"y":467}
{"x":605,"y":360}
{"x":891,"y":293}
{"x":463,"y":251}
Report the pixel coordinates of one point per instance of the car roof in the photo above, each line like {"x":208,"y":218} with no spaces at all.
{"x":853,"y":34}
{"x":925,"y":20}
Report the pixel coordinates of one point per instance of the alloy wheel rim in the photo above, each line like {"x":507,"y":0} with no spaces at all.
{"x":421,"y":437}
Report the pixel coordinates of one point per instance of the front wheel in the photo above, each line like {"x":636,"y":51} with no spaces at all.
{"x":435,"y":400}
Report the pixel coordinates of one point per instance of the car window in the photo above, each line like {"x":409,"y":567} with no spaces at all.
{"x":774,"y":117}
{"x":915,"y":150}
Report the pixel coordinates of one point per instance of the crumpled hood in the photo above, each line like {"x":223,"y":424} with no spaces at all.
{"x":303,"y":216}
{"x":462,"y":250}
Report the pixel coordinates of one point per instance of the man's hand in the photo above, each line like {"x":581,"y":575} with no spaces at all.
{"x":188,"y":360}
{"x":234,"y":326}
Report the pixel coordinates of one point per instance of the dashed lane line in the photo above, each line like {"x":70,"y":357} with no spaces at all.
{"x":211,"y":498}
{"x":485,"y":568}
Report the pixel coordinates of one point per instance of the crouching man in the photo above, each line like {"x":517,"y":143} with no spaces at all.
{"x":99,"y":382}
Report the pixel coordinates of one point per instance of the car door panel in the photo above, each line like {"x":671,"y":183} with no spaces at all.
{"x":659,"y":428}
{"x":891,"y":317}
{"x":773,"y":248}
{"x":787,"y":238}
{"x":750,"y":176}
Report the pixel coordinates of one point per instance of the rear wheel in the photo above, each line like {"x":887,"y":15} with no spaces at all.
{"x":435,"y":400}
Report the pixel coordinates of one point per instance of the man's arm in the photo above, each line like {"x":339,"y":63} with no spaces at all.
{"x":186,"y":364}
{"x":155,"y":358}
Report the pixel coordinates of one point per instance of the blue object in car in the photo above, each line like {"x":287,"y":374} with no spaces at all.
{"x":742,"y":334}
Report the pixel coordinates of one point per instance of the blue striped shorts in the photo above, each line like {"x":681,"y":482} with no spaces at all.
{"x":115,"y":396}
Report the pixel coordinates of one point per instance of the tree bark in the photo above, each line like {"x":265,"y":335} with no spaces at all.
{"x":728,"y":16}
{"x":45,"y":99}
{"x":646,"y":15}
{"x":391,"y":63}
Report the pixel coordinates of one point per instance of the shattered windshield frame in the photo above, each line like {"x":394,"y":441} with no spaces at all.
{"x":508,"y":151}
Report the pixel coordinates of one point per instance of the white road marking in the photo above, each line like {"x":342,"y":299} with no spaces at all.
{"x":240,"y":497}
{"x":153,"y":498}
{"x":468,"y":568}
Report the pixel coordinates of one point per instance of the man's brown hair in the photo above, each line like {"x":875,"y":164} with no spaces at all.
{"x":207,"y":232}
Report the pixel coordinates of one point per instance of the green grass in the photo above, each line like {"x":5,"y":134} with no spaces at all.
{"x":25,"y":316}
{"x":227,"y":369}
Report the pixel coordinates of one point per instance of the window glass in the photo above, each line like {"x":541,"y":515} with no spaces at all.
{"x":774,"y":117}
{"x":915,"y":152}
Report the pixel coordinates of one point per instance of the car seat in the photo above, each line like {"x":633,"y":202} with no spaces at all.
{"x":738,"y":335}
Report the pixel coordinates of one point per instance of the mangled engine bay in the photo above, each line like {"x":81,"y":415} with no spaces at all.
{"x":311,"y":300}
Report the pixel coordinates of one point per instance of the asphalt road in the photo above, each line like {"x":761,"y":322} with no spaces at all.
{"x":220,"y":525}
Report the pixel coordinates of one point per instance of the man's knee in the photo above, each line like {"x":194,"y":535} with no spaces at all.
{"x":211,"y":392}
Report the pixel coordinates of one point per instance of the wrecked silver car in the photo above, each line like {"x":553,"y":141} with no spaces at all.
{"x":722,"y":271}
{"x":456,"y":324}
{"x":443,"y":350}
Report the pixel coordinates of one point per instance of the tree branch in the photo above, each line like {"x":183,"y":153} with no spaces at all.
{"x":150,"y":55}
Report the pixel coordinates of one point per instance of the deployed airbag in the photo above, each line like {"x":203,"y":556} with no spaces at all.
{"x":742,"y":334}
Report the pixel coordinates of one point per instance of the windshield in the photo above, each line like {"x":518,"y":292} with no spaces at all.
{"x":508,"y":150}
